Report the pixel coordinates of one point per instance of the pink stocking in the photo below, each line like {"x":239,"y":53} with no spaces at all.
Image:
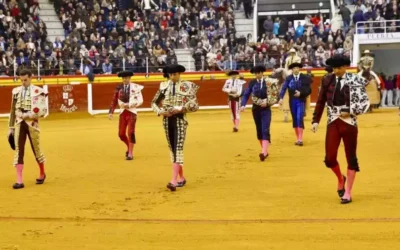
{"x":296,"y":130}
{"x":237,"y":123}
{"x":175,"y":172}
{"x":265,"y":145}
{"x":351,"y":175}
{"x":19,"y":168}
{"x":339,"y":176}
{"x":300,"y":136}
{"x":181,"y":177}
{"x":42,"y":173}
{"x":130,"y":149}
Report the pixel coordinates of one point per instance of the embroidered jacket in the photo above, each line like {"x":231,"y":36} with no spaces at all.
{"x":265,"y":92}
{"x":130,"y":94}
{"x":356,"y":101}
{"x":177,"y":95}
{"x":234,"y":88}
{"x":32,"y":101}
{"x":303,"y":85}
{"x":292,"y":59}
{"x":366,"y":62}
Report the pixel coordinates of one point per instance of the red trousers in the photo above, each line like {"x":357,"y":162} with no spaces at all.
{"x":339,"y":130}
{"x":127,"y":120}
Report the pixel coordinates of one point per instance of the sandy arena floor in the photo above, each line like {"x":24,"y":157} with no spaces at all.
{"x":94,"y":199}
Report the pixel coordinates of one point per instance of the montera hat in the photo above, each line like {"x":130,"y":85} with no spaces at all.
{"x":258,"y":69}
{"x":294,"y":65}
{"x":367,"y":52}
{"x":125,"y":73}
{"x":11,"y":141}
{"x":165,"y":74}
{"x":338,"y":61}
{"x":175,"y":68}
{"x":233,"y":73}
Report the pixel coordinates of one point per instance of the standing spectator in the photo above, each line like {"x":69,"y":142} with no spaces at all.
{"x":247,"y":5}
{"x":346,"y":16}
{"x":397,"y":102}
{"x":268,"y":25}
{"x":389,"y":86}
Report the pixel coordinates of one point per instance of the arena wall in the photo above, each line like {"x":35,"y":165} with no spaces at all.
{"x":75,"y":94}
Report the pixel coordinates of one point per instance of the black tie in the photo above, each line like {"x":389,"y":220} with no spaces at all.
{"x":338,"y":85}
{"x":173,"y":89}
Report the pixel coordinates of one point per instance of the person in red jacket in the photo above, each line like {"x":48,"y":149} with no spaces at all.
{"x":127,"y":96}
{"x":345,"y":96}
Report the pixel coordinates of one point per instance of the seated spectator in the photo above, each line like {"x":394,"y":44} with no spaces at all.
{"x":107,"y":66}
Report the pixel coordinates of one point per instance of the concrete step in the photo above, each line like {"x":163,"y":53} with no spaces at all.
{"x":189,"y":66}
{"x":54,"y":25}
{"x":49,"y":18}
{"x":244,"y":28}
{"x":46,"y":6}
{"x":241,"y":21}
{"x":55,"y":32}
{"x":183,"y":52}
{"x":48,"y":12}
{"x":239,"y":15}
{"x":185,"y":58}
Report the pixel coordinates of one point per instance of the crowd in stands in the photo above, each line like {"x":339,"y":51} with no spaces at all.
{"x":142,"y":37}
{"x":22,"y":35}
{"x":102,"y":37}
{"x":378,"y":11}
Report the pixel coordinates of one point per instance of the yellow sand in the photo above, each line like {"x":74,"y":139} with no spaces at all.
{"x":94,"y":199}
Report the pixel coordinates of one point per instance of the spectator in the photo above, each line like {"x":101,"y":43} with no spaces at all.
{"x":107,"y":66}
{"x":346,"y":16}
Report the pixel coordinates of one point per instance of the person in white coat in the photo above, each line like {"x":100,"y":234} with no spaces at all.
{"x":146,"y":6}
{"x":234,"y":88}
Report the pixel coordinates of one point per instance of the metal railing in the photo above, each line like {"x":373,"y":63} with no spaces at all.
{"x":100,"y":66}
{"x":376,"y":27}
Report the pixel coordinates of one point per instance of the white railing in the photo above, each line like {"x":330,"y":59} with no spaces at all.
{"x":255,"y":20}
{"x":40,"y":68}
{"x":376,"y":27}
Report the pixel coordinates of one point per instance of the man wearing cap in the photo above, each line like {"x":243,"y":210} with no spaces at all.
{"x":366,"y":64}
{"x":290,"y":59}
{"x":173,"y":100}
{"x":298,"y":86}
{"x":128,"y":96}
{"x":234,"y":88}
{"x":264,"y":92}
{"x":27,"y":106}
{"x":345,"y":97}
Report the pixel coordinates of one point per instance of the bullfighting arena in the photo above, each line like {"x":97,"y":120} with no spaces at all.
{"x":94,"y":199}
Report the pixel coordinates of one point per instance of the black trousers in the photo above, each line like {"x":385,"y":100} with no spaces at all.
{"x":247,"y":9}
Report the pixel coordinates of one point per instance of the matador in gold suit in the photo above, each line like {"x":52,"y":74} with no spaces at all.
{"x":365,"y":66}
{"x":27,"y":106}
{"x":366,"y":63}
{"x":173,"y":100}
